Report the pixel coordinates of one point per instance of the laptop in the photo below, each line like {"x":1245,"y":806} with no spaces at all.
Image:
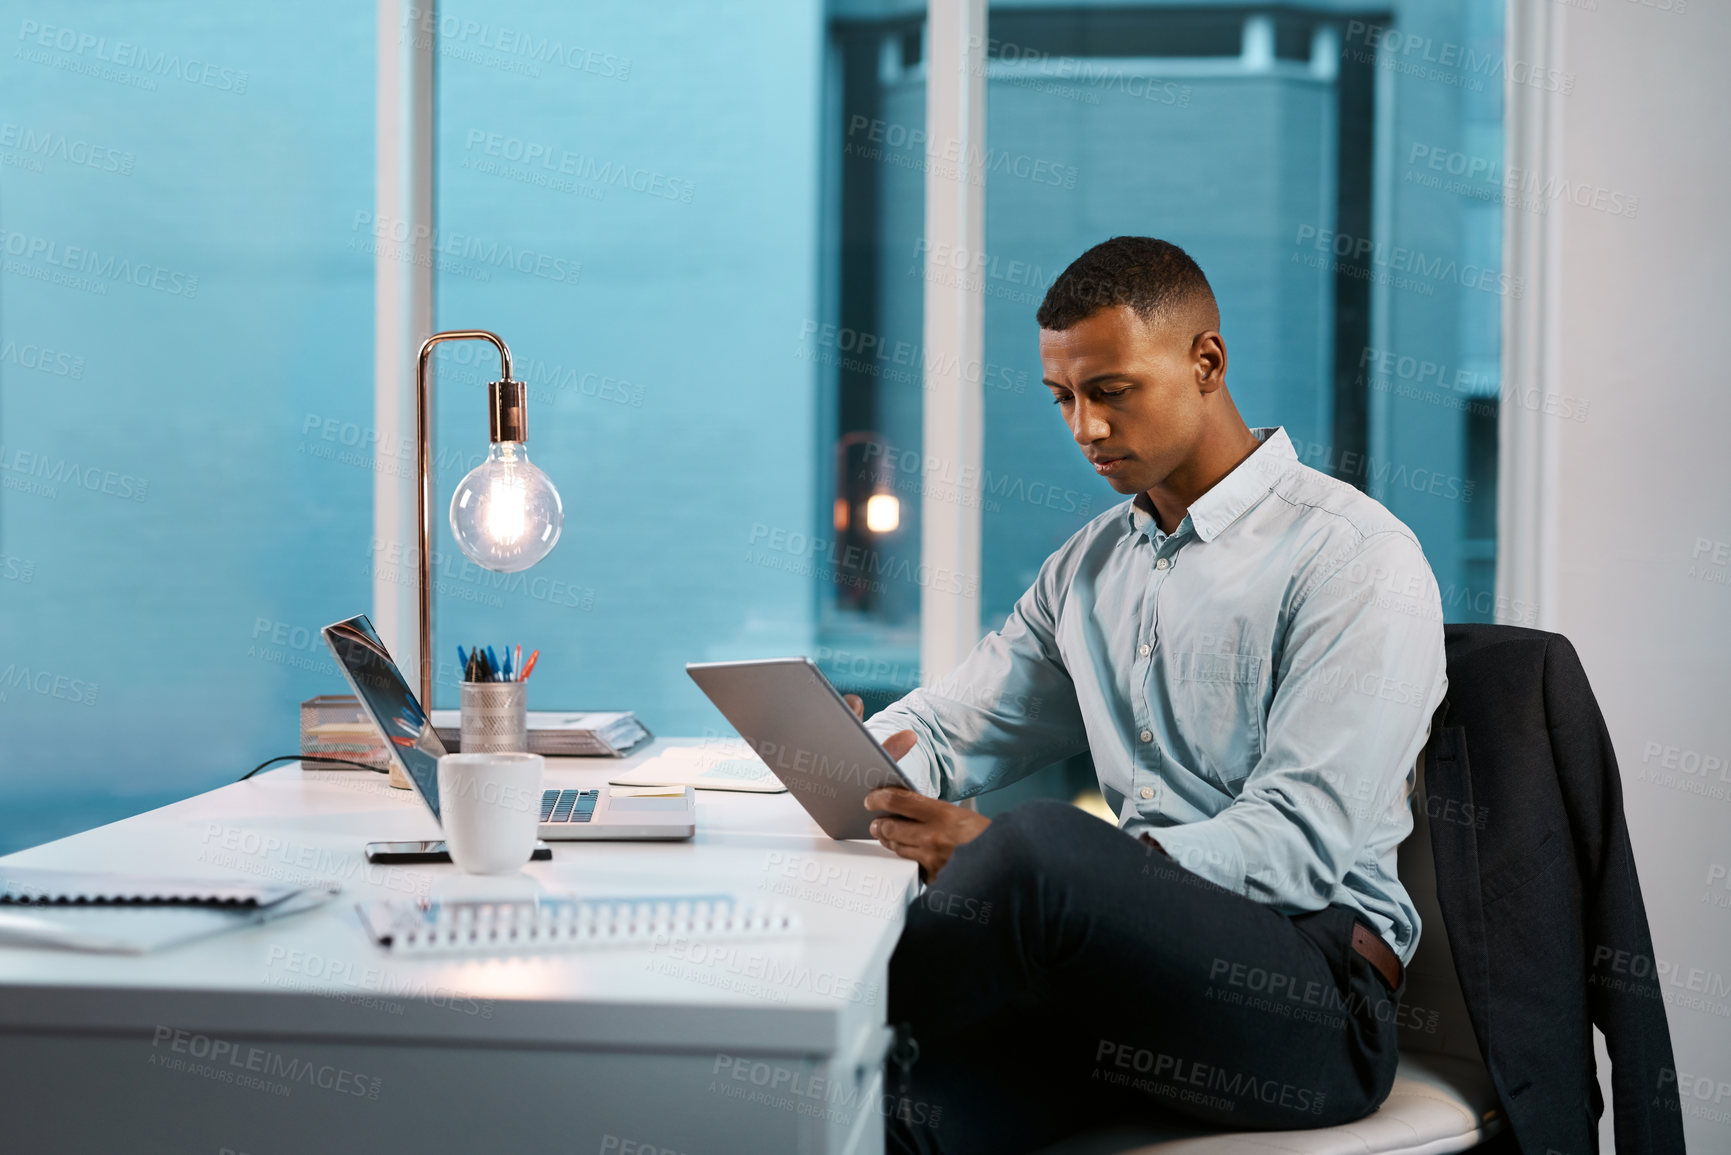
{"x":566,"y":815}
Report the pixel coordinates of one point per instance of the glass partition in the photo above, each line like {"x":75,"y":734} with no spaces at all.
{"x":1341,"y":188}
{"x":1343,"y":192}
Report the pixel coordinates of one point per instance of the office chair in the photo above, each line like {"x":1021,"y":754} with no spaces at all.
{"x":1442,"y":1100}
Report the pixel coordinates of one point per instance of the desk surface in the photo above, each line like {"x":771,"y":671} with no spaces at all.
{"x":319,"y":973}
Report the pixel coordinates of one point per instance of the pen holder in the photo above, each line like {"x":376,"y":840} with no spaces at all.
{"x":494,"y":718}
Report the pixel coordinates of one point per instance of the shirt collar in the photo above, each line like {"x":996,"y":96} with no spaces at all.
{"x":1248,"y":483}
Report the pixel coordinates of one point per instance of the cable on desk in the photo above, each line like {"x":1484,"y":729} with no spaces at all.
{"x":313,"y":758}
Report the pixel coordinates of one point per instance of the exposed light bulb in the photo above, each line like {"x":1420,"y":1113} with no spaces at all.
{"x":883,"y":512}
{"x":506,"y":515}
{"x":507,"y":512}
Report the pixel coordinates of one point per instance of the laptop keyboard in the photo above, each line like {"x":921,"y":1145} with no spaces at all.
{"x":569,"y":805}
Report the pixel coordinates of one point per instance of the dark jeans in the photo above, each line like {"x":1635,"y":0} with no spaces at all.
{"x":1059,"y":975}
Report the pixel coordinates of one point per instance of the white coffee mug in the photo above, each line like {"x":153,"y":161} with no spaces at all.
{"x":490,"y":807}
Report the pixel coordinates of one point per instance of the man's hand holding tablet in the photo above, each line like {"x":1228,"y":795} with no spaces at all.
{"x":923,"y":830}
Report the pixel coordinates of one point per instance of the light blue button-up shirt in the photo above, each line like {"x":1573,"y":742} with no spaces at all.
{"x":1254,"y":687}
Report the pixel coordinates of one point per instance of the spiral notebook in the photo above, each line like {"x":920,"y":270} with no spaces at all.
{"x":32,"y":886}
{"x":124,"y":914}
{"x":564,"y":922}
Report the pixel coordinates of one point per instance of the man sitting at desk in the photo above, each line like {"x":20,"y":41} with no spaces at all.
{"x":1251,"y":652}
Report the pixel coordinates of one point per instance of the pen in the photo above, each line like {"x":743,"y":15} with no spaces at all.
{"x":492,"y":665}
{"x":507,"y":671}
{"x":519,"y":663}
{"x":462,"y":659}
{"x":530,"y":667}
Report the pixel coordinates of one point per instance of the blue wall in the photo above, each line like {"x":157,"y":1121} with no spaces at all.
{"x":156,"y":639}
{"x":176,"y":188}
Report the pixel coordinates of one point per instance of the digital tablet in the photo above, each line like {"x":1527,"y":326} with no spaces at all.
{"x":806,"y":734}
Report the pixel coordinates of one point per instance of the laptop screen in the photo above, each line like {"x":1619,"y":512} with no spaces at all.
{"x":389,"y":702}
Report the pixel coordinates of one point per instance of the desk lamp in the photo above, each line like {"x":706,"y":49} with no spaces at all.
{"x":505,"y":514}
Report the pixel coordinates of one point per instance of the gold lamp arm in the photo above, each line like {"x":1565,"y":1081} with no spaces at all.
{"x":505,"y":416}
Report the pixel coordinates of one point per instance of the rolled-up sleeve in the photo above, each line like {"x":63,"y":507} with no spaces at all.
{"x":1358,"y":677}
{"x":1008,"y":710}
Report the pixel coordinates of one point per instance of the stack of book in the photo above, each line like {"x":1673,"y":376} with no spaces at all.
{"x":334,"y":726}
{"x":556,"y":734}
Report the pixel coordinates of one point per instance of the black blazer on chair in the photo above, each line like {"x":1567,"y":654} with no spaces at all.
{"x":1536,"y":880}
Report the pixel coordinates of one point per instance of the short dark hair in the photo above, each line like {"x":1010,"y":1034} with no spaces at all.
{"x":1151,"y":276}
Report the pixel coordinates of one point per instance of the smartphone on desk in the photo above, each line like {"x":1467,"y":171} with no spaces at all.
{"x":430,"y":850}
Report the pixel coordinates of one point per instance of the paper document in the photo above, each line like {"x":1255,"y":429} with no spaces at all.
{"x":712,"y":766}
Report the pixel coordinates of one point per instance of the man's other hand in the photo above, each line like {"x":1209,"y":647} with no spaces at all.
{"x":923,"y":829}
{"x":897,"y":744}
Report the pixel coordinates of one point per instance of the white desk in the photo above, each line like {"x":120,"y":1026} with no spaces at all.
{"x":302,"y":1036}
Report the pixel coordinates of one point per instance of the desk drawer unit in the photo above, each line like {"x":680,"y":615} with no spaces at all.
{"x":179,"y":1088}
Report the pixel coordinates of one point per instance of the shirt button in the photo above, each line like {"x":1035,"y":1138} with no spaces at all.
{"x":1147,"y":792}
{"x":1163,"y":563}
{"x":1145,"y":650}
{"x":1147,"y":735}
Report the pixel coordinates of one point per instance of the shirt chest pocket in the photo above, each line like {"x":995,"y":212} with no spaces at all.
{"x":1217,"y":705}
